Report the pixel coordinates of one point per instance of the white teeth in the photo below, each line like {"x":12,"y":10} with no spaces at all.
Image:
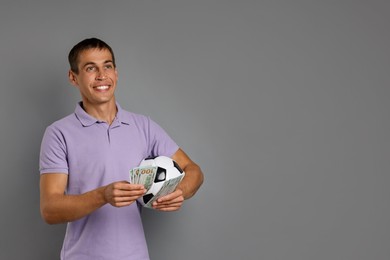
{"x":102,"y":87}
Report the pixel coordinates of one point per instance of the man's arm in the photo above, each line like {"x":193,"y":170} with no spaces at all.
{"x":187,"y":188}
{"x":193,"y":178}
{"x":58,"y":207}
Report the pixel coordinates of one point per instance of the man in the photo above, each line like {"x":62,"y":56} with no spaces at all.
{"x":85,"y":161}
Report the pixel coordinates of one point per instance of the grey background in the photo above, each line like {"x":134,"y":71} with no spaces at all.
{"x":284,"y":104}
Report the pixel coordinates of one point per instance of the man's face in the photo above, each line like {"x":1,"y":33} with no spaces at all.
{"x":96,"y":78}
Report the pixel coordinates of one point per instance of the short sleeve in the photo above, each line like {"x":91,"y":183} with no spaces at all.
{"x":160,"y":142}
{"x":53,"y":155}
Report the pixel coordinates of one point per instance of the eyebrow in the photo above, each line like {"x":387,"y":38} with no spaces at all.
{"x":93,"y":63}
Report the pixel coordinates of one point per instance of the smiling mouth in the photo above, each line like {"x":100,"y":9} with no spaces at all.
{"x":104,"y":87}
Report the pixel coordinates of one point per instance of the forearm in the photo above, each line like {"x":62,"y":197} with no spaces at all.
{"x":192,"y":180}
{"x":187,"y":188}
{"x":60,"y":208}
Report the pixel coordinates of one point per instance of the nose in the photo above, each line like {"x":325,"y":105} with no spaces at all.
{"x":101,"y":75}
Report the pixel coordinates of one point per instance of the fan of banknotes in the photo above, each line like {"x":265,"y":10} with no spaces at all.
{"x":159,"y":175}
{"x":143,"y":175}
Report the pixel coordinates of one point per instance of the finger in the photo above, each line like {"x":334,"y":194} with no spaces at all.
{"x":173,"y":207}
{"x":128,"y":194}
{"x":174,"y":203}
{"x":170,"y":199}
{"x":124,"y":200}
{"x":168,"y":203}
{"x":176,"y":195}
{"x":127,"y":198}
{"x":128,"y":186}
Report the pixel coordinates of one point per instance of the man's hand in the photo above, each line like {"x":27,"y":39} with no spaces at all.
{"x":59,"y":207}
{"x":187,"y":187}
{"x":170,"y":202}
{"x":121,"y":194}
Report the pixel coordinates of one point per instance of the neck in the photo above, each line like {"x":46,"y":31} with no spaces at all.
{"x":104,"y":112}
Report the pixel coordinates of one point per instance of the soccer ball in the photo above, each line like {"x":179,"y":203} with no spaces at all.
{"x":168,"y":176}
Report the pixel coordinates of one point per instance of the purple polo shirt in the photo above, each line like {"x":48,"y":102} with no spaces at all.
{"x":94,"y":154}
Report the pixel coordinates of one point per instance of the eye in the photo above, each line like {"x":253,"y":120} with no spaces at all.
{"x":90,"y":68}
{"x":109,"y":66}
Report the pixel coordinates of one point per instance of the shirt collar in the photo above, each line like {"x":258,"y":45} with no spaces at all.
{"x":120,"y":115}
{"x":88,"y":120}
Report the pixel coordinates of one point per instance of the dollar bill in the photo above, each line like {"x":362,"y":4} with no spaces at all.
{"x":168,"y":187}
{"x":143,"y":175}
{"x":147,"y":175}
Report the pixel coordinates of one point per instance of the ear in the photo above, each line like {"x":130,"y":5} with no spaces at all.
{"x":72,"y":78}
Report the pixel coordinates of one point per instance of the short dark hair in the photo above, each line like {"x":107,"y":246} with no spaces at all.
{"x":90,"y":43}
